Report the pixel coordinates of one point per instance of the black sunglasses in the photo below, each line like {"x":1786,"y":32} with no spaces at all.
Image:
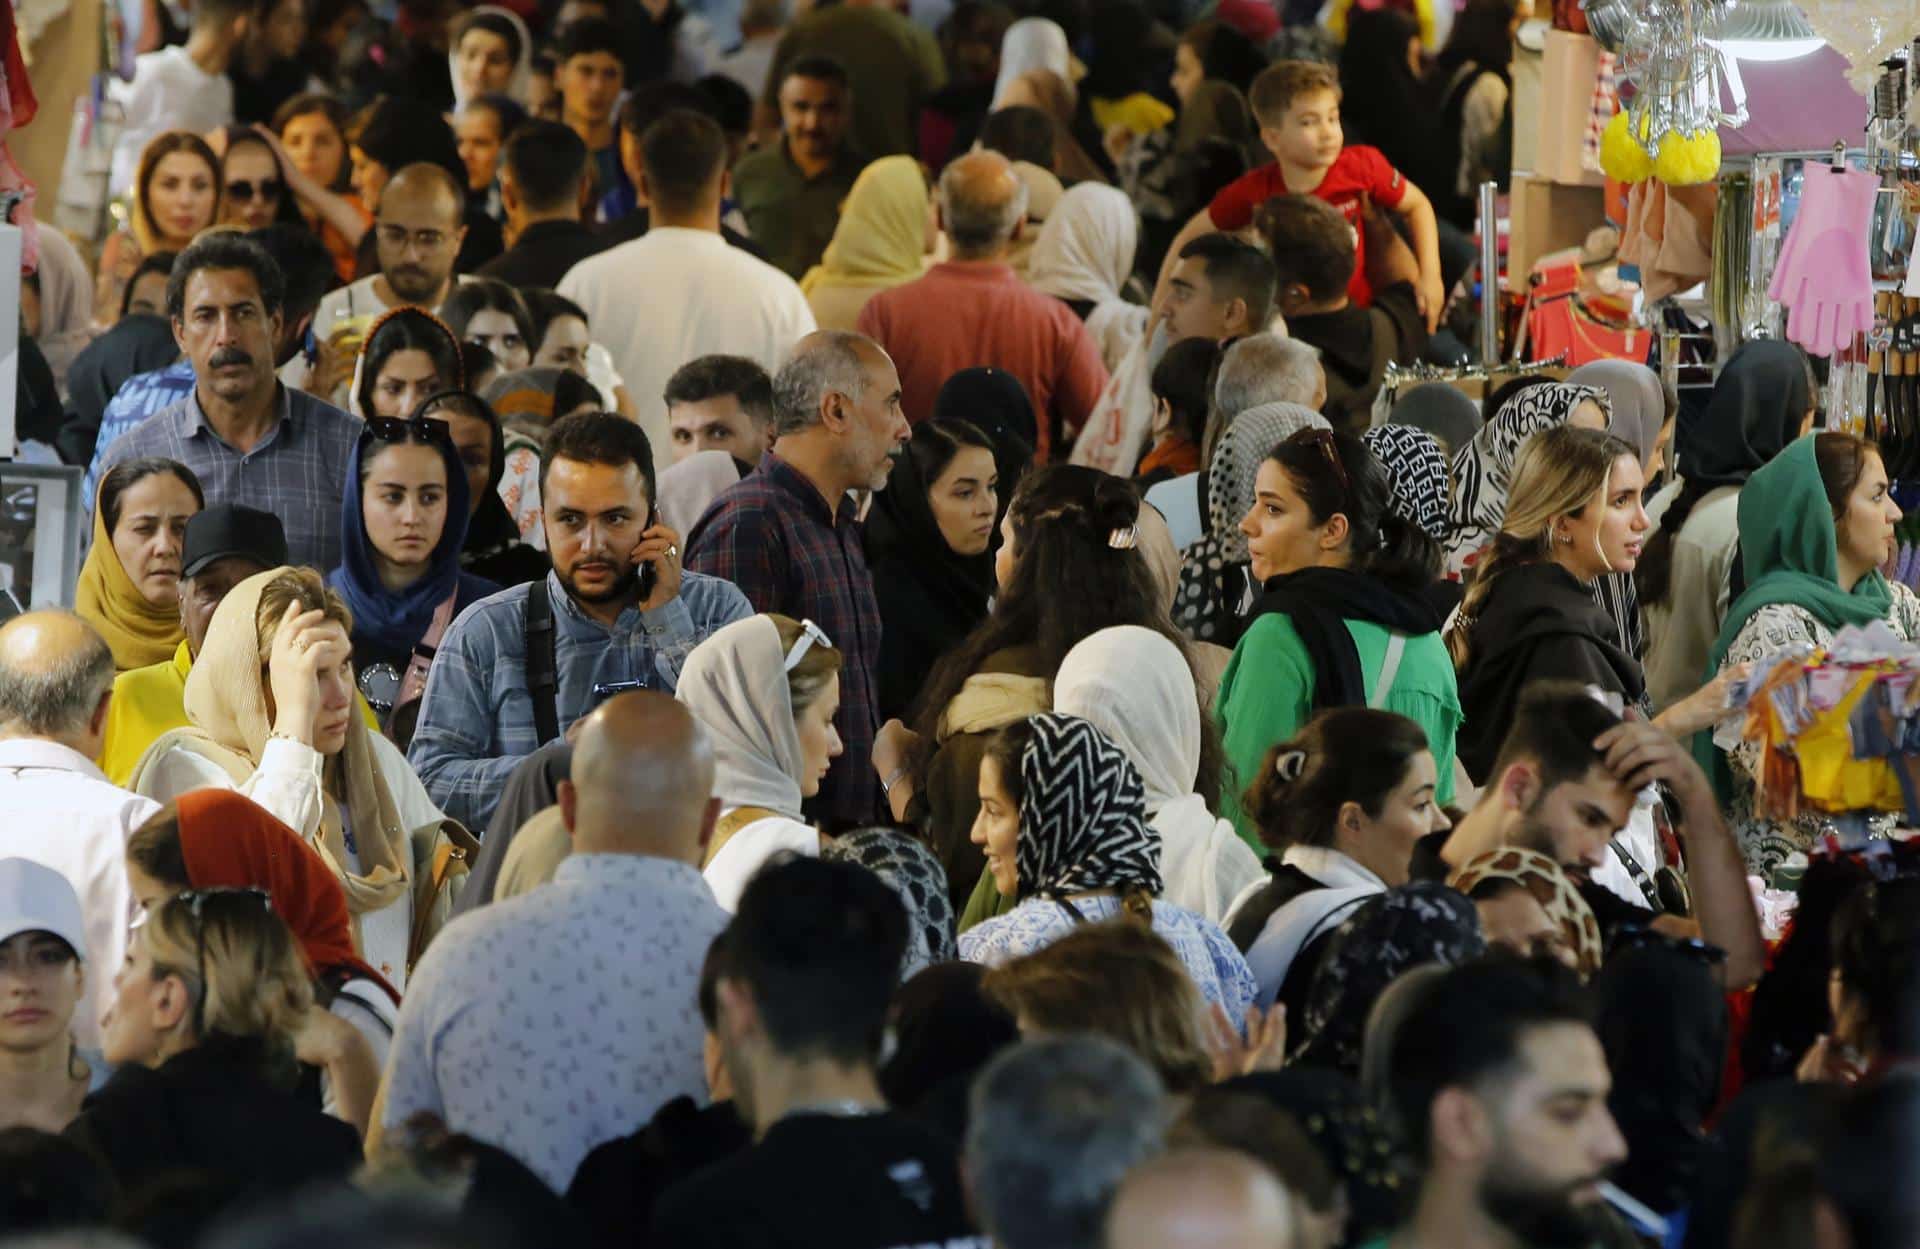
{"x":420,"y":428}
{"x":197,"y":900}
{"x":243,"y":192}
{"x":1323,"y":439}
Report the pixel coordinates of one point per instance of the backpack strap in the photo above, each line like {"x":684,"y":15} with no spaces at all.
{"x":543,"y":669}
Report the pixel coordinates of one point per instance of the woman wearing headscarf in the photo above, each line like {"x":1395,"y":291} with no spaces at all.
{"x":880,"y":243}
{"x":490,"y":53}
{"x":1137,"y":688}
{"x":1440,"y":410}
{"x":1382,"y":103}
{"x":1029,"y":44}
{"x":273,"y":717}
{"x":216,"y":839}
{"x":1483,"y":469}
{"x":1416,"y":925}
{"x":766,"y":688}
{"x":1063,"y":825}
{"x":1416,"y":475}
{"x":494,"y":549}
{"x":408,"y":354}
{"x":57,"y":304}
{"x":911,"y":871}
{"x":1215,"y":584}
{"x":929,"y":539}
{"x":403,"y":523}
{"x":1816,"y":524}
{"x":129,"y":588}
{"x":1055,"y":96}
{"x":996,"y":403}
{"x":1502,"y":880}
{"x":1763,"y":401}
{"x":1084,"y":256}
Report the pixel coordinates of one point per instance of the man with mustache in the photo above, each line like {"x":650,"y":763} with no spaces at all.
{"x":790,"y":192}
{"x":1500,"y":1087}
{"x":249,"y":439}
{"x":518,"y":670}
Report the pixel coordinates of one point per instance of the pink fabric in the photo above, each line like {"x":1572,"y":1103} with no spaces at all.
{"x":964,"y":315}
{"x":1823,"y":278}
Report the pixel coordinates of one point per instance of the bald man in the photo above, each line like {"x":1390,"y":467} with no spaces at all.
{"x":56,"y":683}
{"x":1201,"y":1199}
{"x":554,"y":1021}
{"x":974,"y":310}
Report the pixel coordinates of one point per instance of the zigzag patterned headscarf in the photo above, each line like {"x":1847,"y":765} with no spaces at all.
{"x":1083,"y":822}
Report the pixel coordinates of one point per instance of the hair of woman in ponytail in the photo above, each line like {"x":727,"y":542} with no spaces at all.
{"x":1560,"y":472}
{"x":1346,"y":754}
{"x":1382,"y":544}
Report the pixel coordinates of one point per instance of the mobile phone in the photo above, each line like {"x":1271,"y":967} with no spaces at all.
{"x":649,"y":576}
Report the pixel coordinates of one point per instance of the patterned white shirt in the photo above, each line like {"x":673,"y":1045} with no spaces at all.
{"x":553,"y":1022}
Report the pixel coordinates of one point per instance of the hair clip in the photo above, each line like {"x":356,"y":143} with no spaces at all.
{"x":1124,"y":538}
{"x":1290,"y":764}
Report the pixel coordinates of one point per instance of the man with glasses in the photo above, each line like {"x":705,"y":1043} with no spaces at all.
{"x":417,"y":234}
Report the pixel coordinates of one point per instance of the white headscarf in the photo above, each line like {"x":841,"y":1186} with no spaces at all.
{"x":520,"y":86}
{"x":1136,"y":687}
{"x":1032,"y":43}
{"x":736,"y":683}
{"x":1084,"y":253}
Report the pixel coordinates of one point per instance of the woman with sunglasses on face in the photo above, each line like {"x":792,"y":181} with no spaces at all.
{"x":216,"y":839}
{"x":253,"y":192}
{"x":1342,"y":619}
{"x":201,"y":1032}
{"x":43,"y":954}
{"x":273,"y":715}
{"x":408,"y":354}
{"x":403,"y":522}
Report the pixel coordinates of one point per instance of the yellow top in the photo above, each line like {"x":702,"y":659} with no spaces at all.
{"x":146,"y":702}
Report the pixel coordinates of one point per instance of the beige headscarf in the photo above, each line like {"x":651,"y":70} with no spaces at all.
{"x":226,"y":701}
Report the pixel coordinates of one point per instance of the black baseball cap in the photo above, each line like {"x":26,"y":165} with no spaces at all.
{"x":228,"y":529}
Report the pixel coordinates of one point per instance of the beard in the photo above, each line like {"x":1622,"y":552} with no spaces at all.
{"x":623,"y":585}
{"x":1542,"y":1216}
{"x":412,"y":283}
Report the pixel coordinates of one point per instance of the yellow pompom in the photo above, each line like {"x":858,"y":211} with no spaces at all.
{"x":1623,"y":156}
{"x":1688,"y":159}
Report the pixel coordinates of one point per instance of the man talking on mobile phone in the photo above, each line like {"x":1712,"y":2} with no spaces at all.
{"x":519,"y":669}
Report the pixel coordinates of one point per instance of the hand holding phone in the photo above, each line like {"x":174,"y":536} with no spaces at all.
{"x":657,"y":556}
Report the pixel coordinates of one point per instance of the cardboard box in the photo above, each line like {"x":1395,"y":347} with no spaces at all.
{"x":1548,"y":217}
{"x":1569,"y":72}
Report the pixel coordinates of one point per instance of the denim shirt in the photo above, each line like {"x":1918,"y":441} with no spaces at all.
{"x":139,"y":398}
{"x":476,"y":718}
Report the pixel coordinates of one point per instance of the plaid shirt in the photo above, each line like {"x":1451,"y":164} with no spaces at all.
{"x":774,"y":537}
{"x":298,"y":471}
{"x":476,"y":718}
{"x":139,"y":398}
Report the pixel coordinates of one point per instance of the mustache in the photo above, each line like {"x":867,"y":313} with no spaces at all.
{"x":228,"y":355}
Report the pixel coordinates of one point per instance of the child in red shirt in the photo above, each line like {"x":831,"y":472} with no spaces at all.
{"x":1297,"y":104}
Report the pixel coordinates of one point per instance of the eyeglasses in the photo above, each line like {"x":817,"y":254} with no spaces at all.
{"x":1323,"y":439}
{"x":422,"y":240}
{"x":809,"y":634}
{"x":421,"y":428}
{"x":243,"y":192}
{"x":197,"y":901}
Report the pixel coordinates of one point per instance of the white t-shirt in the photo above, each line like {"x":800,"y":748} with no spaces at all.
{"x":673,"y":295}
{"x":168,"y":92}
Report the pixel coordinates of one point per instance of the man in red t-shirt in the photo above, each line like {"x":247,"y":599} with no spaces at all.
{"x":1297,"y":104}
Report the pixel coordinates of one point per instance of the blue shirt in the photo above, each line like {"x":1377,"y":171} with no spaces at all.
{"x":141,"y":396}
{"x":552,"y":1022}
{"x":476,"y":720}
{"x":298,"y":471}
{"x":1218,"y":968}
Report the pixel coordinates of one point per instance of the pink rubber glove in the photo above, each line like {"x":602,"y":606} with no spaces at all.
{"x":1823,"y":279}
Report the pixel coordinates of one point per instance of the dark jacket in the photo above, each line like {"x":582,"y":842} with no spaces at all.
{"x":213,"y":1111}
{"x":544,"y":252}
{"x":1539,"y":623}
{"x":619,"y":1183}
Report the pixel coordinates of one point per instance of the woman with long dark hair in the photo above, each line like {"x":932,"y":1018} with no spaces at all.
{"x":1343,"y":617}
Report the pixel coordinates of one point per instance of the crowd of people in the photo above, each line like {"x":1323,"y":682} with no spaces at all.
{"x":734,"y":623}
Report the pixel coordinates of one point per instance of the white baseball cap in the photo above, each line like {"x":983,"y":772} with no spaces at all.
{"x":35,"y":898}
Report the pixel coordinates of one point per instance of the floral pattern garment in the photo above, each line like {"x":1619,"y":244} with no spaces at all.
{"x":520,"y":490}
{"x":1767,"y":843}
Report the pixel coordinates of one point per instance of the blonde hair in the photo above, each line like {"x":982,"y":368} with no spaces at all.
{"x":1560,"y":472}
{"x":305,"y":587}
{"x":808,"y":678}
{"x":256,"y":984}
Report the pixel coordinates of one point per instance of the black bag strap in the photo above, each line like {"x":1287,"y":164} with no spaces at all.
{"x":543,"y":669}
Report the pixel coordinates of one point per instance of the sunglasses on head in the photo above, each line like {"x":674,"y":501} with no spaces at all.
{"x":197,"y":901}
{"x":420,"y":428}
{"x":243,"y":192}
{"x":1323,"y":439}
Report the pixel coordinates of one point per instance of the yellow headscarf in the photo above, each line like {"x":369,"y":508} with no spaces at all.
{"x":137,"y":632}
{"x":227,"y":704}
{"x":882,"y":233}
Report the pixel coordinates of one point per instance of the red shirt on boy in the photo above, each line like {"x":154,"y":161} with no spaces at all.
{"x":1358,"y":173}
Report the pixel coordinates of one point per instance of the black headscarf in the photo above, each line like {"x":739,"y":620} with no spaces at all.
{"x":1755,"y":411}
{"x":1663,"y":1023}
{"x":1320,"y":601}
{"x":36,"y":400}
{"x":944,"y":1031}
{"x":994,"y":402}
{"x":1381,"y":103}
{"x":493,"y":548}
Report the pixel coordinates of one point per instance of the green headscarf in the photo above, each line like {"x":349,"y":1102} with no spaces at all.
{"x":1790,"y":551}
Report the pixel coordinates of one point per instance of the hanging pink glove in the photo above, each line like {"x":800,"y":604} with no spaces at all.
{"x":1822,"y":278}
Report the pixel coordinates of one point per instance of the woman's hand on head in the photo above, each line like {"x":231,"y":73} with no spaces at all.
{"x":307,"y":645}
{"x":1263,"y":1048}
